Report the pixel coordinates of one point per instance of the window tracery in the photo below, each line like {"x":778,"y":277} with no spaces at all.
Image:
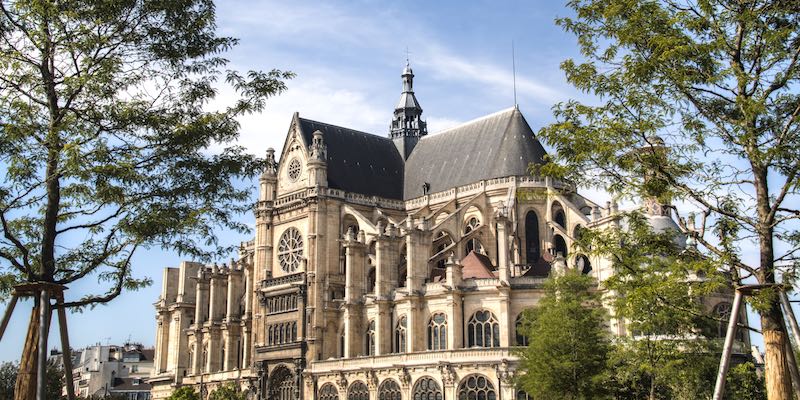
{"x":437,"y":332}
{"x":370,"y":339}
{"x":483,"y":330}
{"x":389,"y":390}
{"x":294,"y":169}
{"x":522,"y":339}
{"x":290,"y":250}
{"x":476,"y":387}
{"x":282,"y":384}
{"x":328,"y":392}
{"x":427,"y":389}
{"x":400,"y":335}
{"x":358,"y":391}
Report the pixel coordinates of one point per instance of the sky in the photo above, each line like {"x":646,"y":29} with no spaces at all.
{"x":348,"y":57}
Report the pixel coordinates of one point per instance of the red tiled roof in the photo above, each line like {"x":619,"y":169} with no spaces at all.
{"x":477,"y":265}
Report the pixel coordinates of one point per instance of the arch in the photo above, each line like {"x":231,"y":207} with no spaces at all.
{"x":426,"y":388}
{"x":476,"y":387}
{"x":577,"y":232}
{"x":349,"y":221}
{"x":558,"y":214}
{"x":328,"y":392}
{"x":521,"y":337}
{"x":282,"y":384}
{"x":442,"y":241}
{"x":483,"y":330}
{"x":560,"y":245}
{"x":369,"y":339}
{"x":389,"y":390}
{"x":437,"y":332}
{"x":358,"y":390}
{"x":532,"y":243}
{"x":471,"y":224}
{"x":583,"y":264}
{"x":723,"y":312}
{"x":440,"y":217}
{"x":371,"y":278}
{"x":522,"y":395}
{"x":400,"y":335}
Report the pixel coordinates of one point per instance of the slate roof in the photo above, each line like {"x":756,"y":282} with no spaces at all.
{"x":497,"y":145}
{"x":127,"y":385}
{"x":359,"y":162}
{"x":494,"y":146}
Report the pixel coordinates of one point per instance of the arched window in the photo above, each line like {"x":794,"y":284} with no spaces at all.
{"x":270,"y":336}
{"x":427,"y":389}
{"x":522,"y":339}
{"x":723,"y":313}
{"x":522,"y":395}
{"x":290,"y":250}
{"x":400,"y":335}
{"x":583,"y":264}
{"x":557,"y":212}
{"x":476,"y":387}
{"x":531,"y":238}
{"x":371,"y":280}
{"x":560,"y":245}
{"x":282,"y":384}
{"x":389,"y":390}
{"x":294,"y":331}
{"x":483,"y":330}
{"x":437,"y":332}
{"x":473,"y":244}
{"x":328,"y":392}
{"x":358,"y":391}
{"x":369,"y":339}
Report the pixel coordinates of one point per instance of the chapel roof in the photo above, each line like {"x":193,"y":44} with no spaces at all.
{"x":497,"y":145}
{"x":359,"y":162}
{"x":494,"y":146}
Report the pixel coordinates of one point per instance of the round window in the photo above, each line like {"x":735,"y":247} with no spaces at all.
{"x":290,"y":250}
{"x":294,"y":169}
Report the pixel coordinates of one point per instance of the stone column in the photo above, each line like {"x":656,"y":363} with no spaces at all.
{"x":503,"y":253}
{"x":455,"y":323}
{"x":383,"y":328}
{"x":353,"y":292}
{"x":162,"y":341}
{"x":201,"y":299}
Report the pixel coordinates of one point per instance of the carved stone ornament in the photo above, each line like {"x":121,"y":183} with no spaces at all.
{"x":405,"y":377}
{"x":372,"y":380}
{"x":448,"y":375}
{"x":505,"y":373}
{"x":341,"y":382}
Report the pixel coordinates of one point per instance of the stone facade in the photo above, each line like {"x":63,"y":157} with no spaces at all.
{"x":346,"y":294}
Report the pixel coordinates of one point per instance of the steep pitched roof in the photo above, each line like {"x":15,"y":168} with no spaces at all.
{"x":476,"y":265}
{"x":359,"y":162}
{"x":497,"y":145}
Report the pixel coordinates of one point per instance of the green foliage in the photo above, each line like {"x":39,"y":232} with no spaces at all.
{"x":228,"y":391}
{"x":53,"y":385}
{"x":184,"y":393}
{"x":107,"y":142}
{"x":568,"y":344}
{"x":743,"y":382}
{"x":8,"y":377}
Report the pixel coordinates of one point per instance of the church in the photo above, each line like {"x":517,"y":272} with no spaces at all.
{"x":384,"y":266}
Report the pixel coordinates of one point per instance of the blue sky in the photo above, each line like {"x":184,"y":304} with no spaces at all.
{"x":348,"y":57}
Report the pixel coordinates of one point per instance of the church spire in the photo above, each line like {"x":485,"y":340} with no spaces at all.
{"x":407,"y":126}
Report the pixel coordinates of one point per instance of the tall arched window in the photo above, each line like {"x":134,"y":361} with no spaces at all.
{"x":389,"y":390}
{"x":371,"y":281}
{"x":369,"y":339}
{"x":531,"y":238}
{"x":483,"y":330}
{"x":437,"y":332}
{"x":476,"y":387}
{"x":427,"y":389}
{"x":282,"y":384}
{"x":522,"y":340}
{"x":358,"y":391}
{"x":723,"y":312}
{"x":560,"y":245}
{"x":400,"y":335}
{"x":328,"y":392}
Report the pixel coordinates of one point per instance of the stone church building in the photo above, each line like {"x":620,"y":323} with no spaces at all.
{"x":383,"y":266}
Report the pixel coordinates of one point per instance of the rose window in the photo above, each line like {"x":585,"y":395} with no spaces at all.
{"x":294,"y":169}
{"x":290,"y":250}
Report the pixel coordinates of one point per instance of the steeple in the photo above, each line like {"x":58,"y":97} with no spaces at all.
{"x":407,"y":126}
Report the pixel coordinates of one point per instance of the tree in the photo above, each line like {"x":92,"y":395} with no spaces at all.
{"x":184,"y":393}
{"x":568,"y":343}
{"x":713,"y":81}
{"x":227,"y":391}
{"x":53,"y":386}
{"x":8,"y":376}
{"x":743,"y":382}
{"x":104,"y":137}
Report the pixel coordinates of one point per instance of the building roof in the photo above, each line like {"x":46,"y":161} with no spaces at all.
{"x":476,"y":265}
{"x":359,"y":162}
{"x":497,"y":145}
{"x":127,"y":385}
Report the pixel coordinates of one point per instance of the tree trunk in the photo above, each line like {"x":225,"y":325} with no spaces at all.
{"x":25,"y":387}
{"x":777,"y":377}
